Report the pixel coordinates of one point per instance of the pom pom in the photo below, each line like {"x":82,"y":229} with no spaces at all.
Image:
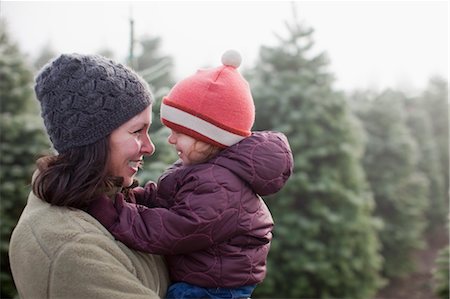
{"x":232,"y":58}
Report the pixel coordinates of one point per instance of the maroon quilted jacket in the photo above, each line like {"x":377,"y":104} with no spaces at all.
{"x":207,"y":219}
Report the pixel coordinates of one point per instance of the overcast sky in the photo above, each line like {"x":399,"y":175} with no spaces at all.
{"x":371,"y":44}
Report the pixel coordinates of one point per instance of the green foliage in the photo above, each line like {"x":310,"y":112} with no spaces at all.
{"x":325,"y":242}
{"x":434,"y":100}
{"x":441,"y":273}
{"x":391,"y":165}
{"x":156,"y":122}
{"x":154,"y":67}
{"x":22,"y":139}
{"x":420,"y":125}
{"x":15,"y":78}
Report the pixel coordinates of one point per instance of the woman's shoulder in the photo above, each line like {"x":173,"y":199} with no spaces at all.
{"x":52,"y":227}
{"x":61,"y":241}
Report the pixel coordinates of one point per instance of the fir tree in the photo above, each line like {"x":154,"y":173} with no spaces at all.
{"x":399,"y":188}
{"x":22,"y":140}
{"x":154,"y":67}
{"x":325,"y":243}
{"x":434,"y":101}
{"x":441,"y":273}
{"x":420,"y":125}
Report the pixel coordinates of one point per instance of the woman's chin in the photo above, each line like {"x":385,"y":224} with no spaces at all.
{"x":127,"y":182}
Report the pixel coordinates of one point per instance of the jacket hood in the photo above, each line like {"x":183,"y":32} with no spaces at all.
{"x":264,"y":160}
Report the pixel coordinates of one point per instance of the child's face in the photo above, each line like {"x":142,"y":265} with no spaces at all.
{"x":190,"y":150}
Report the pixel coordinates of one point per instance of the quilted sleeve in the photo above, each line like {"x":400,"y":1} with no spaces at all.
{"x":198,"y":220}
{"x":264,"y":160}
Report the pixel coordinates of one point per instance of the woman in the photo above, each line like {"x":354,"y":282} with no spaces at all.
{"x":97,"y":114}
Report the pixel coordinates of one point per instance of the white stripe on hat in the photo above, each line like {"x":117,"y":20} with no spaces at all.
{"x":199,"y":125}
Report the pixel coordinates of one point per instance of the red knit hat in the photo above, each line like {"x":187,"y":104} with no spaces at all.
{"x":213,"y":105}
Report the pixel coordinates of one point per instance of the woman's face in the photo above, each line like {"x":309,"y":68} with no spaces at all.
{"x":129,"y":143}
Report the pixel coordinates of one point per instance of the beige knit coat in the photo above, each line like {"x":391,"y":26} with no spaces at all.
{"x":59,"y":252}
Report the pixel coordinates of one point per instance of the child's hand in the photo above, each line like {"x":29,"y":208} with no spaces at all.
{"x":102,"y":208}
{"x":146,"y":196}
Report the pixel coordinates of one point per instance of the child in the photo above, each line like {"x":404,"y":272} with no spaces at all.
{"x":206,"y":214}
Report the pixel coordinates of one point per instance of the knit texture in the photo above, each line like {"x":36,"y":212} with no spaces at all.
{"x":85,"y":97}
{"x":213,"y":105}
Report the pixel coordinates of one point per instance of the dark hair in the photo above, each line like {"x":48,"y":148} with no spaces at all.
{"x":74,"y":177}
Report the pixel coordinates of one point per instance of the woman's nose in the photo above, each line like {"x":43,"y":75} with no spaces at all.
{"x":148,"y":148}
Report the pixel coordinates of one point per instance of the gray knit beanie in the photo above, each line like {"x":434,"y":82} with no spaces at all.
{"x":85,"y":97}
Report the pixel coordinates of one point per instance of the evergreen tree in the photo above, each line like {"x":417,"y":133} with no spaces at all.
{"x":434,"y":100}
{"x":22,"y":139}
{"x":429,"y":164}
{"x":391,"y":165}
{"x":441,"y":273}
{"x":325,"y":243}
{"x":154,"y":67}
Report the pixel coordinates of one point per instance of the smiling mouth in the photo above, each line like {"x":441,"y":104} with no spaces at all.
{"x":136,"y":164}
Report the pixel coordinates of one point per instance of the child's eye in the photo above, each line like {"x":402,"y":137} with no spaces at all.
{"x":138,"y":131}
